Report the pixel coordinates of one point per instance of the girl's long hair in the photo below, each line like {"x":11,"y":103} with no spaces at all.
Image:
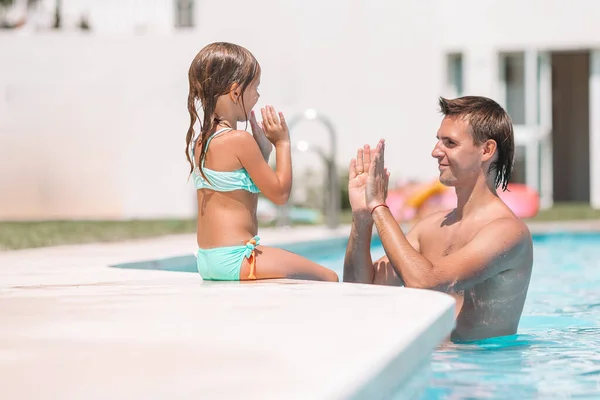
{"x":213,"y":72}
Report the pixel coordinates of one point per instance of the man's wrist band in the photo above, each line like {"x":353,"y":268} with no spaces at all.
{"x":379,"y":205}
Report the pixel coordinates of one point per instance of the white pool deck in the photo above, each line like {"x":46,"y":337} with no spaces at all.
{"x":72,"y":327}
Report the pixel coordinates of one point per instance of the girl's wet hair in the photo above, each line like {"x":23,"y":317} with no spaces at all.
{"x":213,"y":72}
{"x":487,"y":120}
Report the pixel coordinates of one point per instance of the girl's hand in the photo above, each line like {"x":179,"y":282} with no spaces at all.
{"x":274,"y":127}
{"x":261,"y":139}
{"x":257,"y":130}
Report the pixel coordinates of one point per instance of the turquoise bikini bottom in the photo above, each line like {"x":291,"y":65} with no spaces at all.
{"x":225,"y":263}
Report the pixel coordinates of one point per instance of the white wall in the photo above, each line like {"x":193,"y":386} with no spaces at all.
{"x":482,"y":29}
{"x":93,"y":125}
{"x":514,"y":24}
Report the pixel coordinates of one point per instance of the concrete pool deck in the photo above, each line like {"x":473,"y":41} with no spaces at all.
{"x":74,"y":328}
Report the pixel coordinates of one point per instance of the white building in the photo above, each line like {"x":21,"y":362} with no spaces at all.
{"x":92,"y":124}
{"x":105,"y":16}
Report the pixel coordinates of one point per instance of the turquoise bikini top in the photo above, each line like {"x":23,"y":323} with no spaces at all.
{"x":222,"y":181}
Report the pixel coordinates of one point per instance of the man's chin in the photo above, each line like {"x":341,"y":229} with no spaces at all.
{"x":446,"y":182}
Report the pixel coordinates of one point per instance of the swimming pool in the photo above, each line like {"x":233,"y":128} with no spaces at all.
{"x":556,"y":351}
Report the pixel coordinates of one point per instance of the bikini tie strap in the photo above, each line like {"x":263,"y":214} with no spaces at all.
{"x":251,"y":255}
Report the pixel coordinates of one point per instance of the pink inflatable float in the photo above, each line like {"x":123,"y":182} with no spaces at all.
{"x":521,"y":199}
{"x":408,"y":202}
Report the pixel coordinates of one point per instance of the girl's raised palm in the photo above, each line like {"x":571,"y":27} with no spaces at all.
{"x":274,"y":125}
{"x":257,"y":130}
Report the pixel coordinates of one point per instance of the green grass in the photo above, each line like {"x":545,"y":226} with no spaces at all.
{"x":21,"y":235}
{"x":567,"y":212}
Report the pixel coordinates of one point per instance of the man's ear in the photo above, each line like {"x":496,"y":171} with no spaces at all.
{"x":235,"y":93}
{"x":489,"y":149}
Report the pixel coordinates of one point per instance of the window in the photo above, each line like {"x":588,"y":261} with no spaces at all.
{"x":184,"y":13}
{"x":454,"y":78}
{"x":518,"y":174}
{"x":513,"y":71}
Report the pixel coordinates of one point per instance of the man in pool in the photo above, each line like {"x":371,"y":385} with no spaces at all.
{"x":479,"y":252}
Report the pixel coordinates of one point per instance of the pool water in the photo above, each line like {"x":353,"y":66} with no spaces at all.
{"x":556,"y":351}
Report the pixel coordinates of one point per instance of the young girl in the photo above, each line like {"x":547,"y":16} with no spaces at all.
{"x":230,"y":167}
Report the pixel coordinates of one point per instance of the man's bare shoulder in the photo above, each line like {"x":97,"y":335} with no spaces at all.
{"x":505,"y":241}
{"x":508,"y":226}
{"x":502,"y":220}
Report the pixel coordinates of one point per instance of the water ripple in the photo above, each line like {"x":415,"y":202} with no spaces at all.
{"x":556,"y":353}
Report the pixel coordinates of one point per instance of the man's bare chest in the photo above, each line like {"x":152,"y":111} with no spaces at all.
{"x":442,"y":242}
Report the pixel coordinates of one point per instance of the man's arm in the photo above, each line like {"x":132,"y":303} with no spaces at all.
{"x":358,"y":265}
{"x":385,"y":273}
{"x":494,"y":249}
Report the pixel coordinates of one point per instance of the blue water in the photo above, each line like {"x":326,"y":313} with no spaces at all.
{"x":556,"y":351}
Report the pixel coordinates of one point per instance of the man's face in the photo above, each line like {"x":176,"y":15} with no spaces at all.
{"x":459,"y":159}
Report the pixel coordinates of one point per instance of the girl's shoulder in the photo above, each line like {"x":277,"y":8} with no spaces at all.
{"x":234,"y":133}
{"x":235,"y":136}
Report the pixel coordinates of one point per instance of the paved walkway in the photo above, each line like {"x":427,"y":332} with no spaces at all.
{"x":73,"y":328}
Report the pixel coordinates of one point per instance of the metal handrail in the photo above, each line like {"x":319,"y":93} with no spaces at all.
{"x":332,"y":210}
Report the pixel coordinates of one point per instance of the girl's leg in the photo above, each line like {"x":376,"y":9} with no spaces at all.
{"x":274,"y":263}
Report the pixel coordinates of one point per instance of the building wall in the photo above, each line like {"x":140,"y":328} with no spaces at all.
{"x":481,"y":30}
{"x":92,"y":125}
{"x":513,"y":24}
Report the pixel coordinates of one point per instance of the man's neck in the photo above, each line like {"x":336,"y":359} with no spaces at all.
{"x":472,"y":197}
